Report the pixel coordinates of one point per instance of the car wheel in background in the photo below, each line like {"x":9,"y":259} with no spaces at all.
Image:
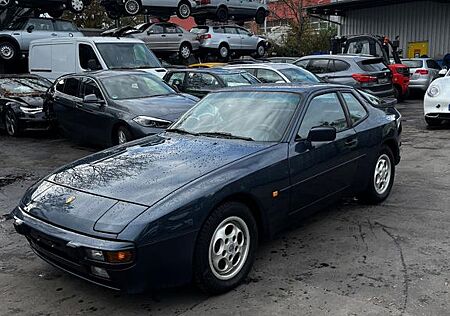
{"x":76,"y":6}
{"x":11,"y":123}
{"x":122,"y":135}
{"x":260,"y":16}
{"x":8,"y":51}
{"x":184,"y":10}
{"x":5,"y":3}
{"x":432,"y":122}
{"x":224,"y":51}
{"x":222,"y":14}
{"x":226,"y":248}
{"x":132,"y":7}
{"x":185,"y":50}
{"x":200,"y":20}
{"x":382,"y":178}
{"x":260,"y":50}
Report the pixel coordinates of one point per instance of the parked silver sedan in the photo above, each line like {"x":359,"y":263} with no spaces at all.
{"x":168,"y":38}
{"x":423,"y":71}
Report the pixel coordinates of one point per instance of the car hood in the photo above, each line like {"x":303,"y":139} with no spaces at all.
{"x":168,"y":107}
{"x":36,"y":101}
{"x":106,"y":191}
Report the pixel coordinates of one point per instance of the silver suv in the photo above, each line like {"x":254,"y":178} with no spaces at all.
{"x":226,"y":39}
{"x":16,"y":37}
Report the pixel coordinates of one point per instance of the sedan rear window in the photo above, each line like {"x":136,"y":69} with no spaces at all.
{"x":200,"y":29}
{"x":372,"y":65}
{"x":412,"y":63}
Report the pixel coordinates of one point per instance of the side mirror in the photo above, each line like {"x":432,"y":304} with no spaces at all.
{"x":443,"y":72}
{"x":322,"y":134}
{"x":250,"y":34}
{"x":177,"y":85}
{"x":92,"y":99}
{"x":30,"y":28}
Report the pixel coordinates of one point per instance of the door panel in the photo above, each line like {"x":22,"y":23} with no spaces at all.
{"x":233,"y":38}
{"x":64,"y":106}
{"x":42,"y":29}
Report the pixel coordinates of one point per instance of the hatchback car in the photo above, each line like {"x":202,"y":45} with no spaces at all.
{"x":361,"y":72}
{"x":191,"y":204}
{"x":222,"y":10}
{"x":162,"y":8}
{"x":168,"y":38}
{"x":15,"y":38}
{"x":114,"y":107}
{"x":227,"y":39}
{"x":21,"y":103}
{"x":423,"y":72}
{"x":277,"y":73}
{"x":200,"y":82}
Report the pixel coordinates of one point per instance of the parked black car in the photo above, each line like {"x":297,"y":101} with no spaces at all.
{"x":200,"y":82}
{"x":192,"y":203}
{"x":114,"y":107}
{"x":21,"y":103}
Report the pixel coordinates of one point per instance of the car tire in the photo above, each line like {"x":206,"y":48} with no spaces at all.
{"x":381,"y":179}
{"x":224,"y":51}
{"x":226,"y":248}
{"x":56,"y":14}
{"x":260,"y":16}
{"x":76,"y":6}
{"x":184,"y":10}
{"x":5,"y":3}
{"x":222,"y":14}
{"x":185,"y":50}
{"x":11,"y":123}
{"x":398,"y":94}
{"x":432,"y":122}
{"x":8,"y":51}
{"x":132,"y":7}
{"x":122,"y":135}
{"x":199,"y":20}
{"x":260,"y":50}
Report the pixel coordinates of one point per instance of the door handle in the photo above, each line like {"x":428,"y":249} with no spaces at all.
{"x":351,"y":142}
{"x":163,"y":35}
{"x":54,"y":34}
{"x":180,"y":35}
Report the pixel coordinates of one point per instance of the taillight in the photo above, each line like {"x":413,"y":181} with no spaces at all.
{"x":203,"y":2}
{"x":204,"y":37}
{"x":422,"y":71}
{"x":364,"y":78}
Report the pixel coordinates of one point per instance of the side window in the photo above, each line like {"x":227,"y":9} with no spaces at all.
{"x":340,"y":65}
{"x":355,"y":108}
{"x":303,"y":63}
{"x":88,"y":59}
{"x":218,"y":30}
{"x":323,"y":110}
{"x":268,"y":76}
{"x":171,"y":29}
{"x":433,"y":65}
{"x":40,"y":24}
{"x":318,"y":66}
{"x":251,"y":71}
{"x":71,"y":86}
{"x":176,"y":77}
{"x":59,"y":86}
{"x":156,"y":29}
{"x":243,"y":31}
{"x":179,"y":30}
{"x":230,"y":30}
{"x":90,"y":87}
{"x":201,"y":81}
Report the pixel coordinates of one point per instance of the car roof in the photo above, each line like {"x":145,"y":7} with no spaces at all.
{"x":101,"y":74}
{"x":356,"y":57}
{"x":214,"y":70}
{"x":302,"y":88}
{"x":41,"y":18}
{"x":263,"y":65}
{"x":89,"y":39}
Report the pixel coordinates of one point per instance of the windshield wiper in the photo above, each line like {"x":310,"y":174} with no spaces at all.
{"x":225,"y":135}
{"x":181,"y":131}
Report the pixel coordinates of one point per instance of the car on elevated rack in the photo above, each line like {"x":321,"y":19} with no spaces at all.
{"x":21,"y":103}
{"x":437,"y":101}
{"x":192,"y":203}
{"x":114,"y":107}
{"x":161,"y":8}
{"x":54,"y":7}
{"x":200,"y":82}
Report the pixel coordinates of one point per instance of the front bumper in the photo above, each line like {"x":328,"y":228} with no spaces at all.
{"x":419,"y":84}
{"x":32,"y":122}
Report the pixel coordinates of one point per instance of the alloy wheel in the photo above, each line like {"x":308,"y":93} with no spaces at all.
{"x":77,"y":5}
{"x":11,"y":123}
{"x":261,"y":50}
{"x":229,"y":248}
{"x":7,"y":51}
{"x":184,"y":10}
{"x":4,"y":3}
{"x":132,"y":7}
{"x":185,"y":51}
{"x":223,"y":51}
{"x":383,"y":173}
{"x":121,"y":137}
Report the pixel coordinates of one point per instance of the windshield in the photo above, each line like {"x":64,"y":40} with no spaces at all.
{"x":23,"y":86}
{"x":252,"y":115}
{"x":412,"y":63}
{"x":127,"y":56}
{"x":298,"y":75}
{"x":135,"y":86}
{"x":235,"y":80}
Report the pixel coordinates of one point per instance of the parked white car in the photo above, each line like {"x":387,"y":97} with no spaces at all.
{"x":437,"y":101}
{"x":160,"y":8}
{"x":222,"y":10}
{"x":52,"y":58}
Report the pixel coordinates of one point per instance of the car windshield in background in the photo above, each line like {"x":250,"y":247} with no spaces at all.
{"x":298,"y":75}
{"x":251,"y":115}
{"x":135,"y":86}
{"x":127,"y":56}
{"x":412,"y":63}
{"x":23,"y":86}
{"x":235,"y":80}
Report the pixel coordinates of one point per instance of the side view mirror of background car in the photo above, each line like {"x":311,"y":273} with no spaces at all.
{"x":443,"y":72}
{"x":176,"y":84}
{"x":322,"y":134}
{"x":30,"y":28}
{"x":92,"y":99}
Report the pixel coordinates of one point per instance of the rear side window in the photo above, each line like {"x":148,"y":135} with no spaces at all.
{"x":268,"y":76}
{"x":302,"y":63}
{"x":156,"y":29}
{"x":318,"y":66}
{"x":372,"y":65}
{"x":230,"y":30}
{"x":198,"y":81}
{"x":323,"y":110}
{"x":40,"y":24}
{"x":71,"y":86}
{"x":65,"y":26}
{"x":355,"y":108}
{"x":171,"y":29}
{"x":201,"y":30}
{"x":340,"y":65}
{"x":176,"y":77}
{"x":412,"y":63}
{"x":433,"y":65}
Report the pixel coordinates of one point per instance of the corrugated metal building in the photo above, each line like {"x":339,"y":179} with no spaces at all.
{"x":423,"y":26}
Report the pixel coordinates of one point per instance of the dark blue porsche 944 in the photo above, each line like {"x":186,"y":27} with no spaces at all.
{"x":192,"y":203}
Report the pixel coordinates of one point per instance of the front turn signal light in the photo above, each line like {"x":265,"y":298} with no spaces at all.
{"x":125,"y":256}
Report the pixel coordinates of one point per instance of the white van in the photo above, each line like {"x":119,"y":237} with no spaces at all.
{"x":54,"y":57}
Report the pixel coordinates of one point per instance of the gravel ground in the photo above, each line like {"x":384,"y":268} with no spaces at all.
{"x":346,"y":260}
